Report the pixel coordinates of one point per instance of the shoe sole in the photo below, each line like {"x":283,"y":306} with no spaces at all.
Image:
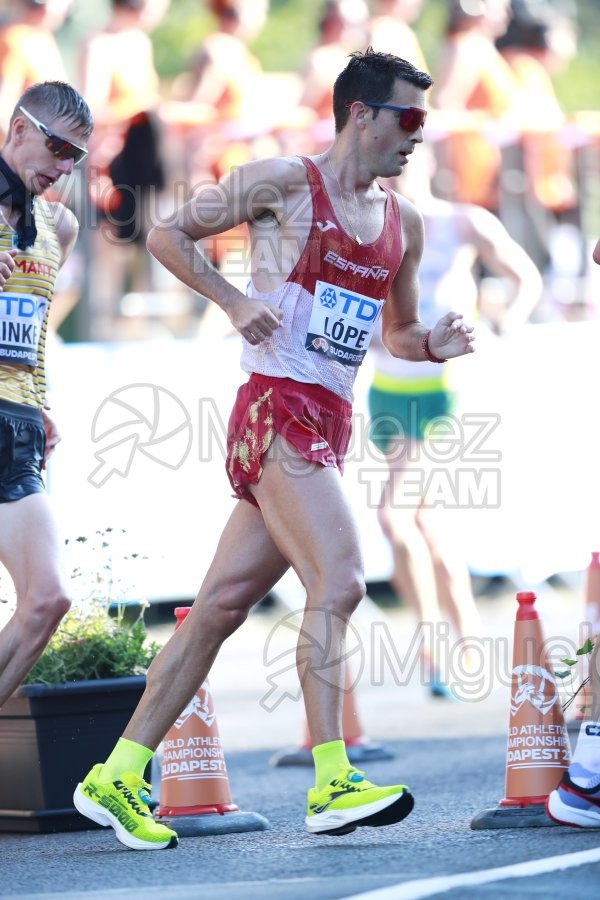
{"x":103,"y":817}
{"x":387,"y":811}
{"x":567,"y":815}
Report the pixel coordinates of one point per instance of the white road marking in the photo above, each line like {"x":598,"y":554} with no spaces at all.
{"x":427,"y":887}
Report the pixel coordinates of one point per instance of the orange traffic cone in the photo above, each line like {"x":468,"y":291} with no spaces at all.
{"x":590,"y":628}
{"x":194,"y":786}
{"x":359,"y":748}
{"x":538,"y":751}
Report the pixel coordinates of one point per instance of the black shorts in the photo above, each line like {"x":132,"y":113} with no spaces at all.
{"x":22,"y":444}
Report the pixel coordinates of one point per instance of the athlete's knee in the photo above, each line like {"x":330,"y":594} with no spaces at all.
{"x":229,"y":606}
{"x":44,"y":610}
{"x":353,"y":591}
{"x":342,"y":594}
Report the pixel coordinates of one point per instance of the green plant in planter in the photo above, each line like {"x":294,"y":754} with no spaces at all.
{"x":98,"y":638}
{"x":570,"y":671}
{"x":81,"y":693}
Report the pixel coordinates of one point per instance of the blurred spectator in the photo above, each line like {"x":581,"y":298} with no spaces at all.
{"x":406,"y":399}
{"x":472,"y":78}
{"x":341,"y":23}
{"x":225,"y":77}
{"x":29,"y":52}
{"x":391,"y":31}
{"x":257,"y":115}
{"x":121,"y":84}
{"x":538,"y":43}
{"x":224,"y":73}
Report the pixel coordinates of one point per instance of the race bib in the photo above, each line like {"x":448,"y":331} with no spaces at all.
{"x":21,"y":319}
{"x":341,"y":323}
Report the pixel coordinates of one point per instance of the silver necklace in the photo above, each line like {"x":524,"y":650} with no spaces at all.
{"x":357,"y":237}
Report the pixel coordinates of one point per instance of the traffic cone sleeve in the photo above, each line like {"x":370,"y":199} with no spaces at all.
{"x":194,"y":784}
{"x":359,"y":747}
{"x":538,"y":751}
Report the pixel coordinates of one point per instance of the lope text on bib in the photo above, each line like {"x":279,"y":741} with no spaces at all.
{"x":341,"y":323}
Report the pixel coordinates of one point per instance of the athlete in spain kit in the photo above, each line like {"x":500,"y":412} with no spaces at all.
{"x":331,"y":252}
{"x":47,"y":136}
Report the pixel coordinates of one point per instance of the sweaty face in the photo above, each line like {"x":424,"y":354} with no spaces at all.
{"x":388,"y":145}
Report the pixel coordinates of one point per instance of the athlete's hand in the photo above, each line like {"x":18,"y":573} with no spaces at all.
{"x":52,"y":436}
{"x":256,"y":320}
{"x":7,"y":265}
{"x":451,"y":337}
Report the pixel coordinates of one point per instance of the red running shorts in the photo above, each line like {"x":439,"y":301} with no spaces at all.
{"x":315,"y":421}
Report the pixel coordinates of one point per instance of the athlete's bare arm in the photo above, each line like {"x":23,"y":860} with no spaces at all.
{"x":261,"y":194}
{"x":504,"y":257}
{"x":67,"y":229}
{"x":402,"y":330}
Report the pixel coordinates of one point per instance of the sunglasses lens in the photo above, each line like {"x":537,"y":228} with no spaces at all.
{"x":64,"y":149}
{"x":412,"y":119}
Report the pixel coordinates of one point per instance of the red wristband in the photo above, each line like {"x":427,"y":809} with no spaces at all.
{"x":428,"y":354}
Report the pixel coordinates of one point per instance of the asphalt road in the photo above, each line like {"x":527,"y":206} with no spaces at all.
{"x":451,"y":754}
{"x":453,"y":779}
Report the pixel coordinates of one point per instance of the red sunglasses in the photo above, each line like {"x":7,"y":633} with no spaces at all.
{"x":60,"y":147}
{"x":411,"y":118}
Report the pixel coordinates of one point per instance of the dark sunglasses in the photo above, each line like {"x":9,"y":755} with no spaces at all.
{"x":60,"y":147}
{"x":411,"y":118}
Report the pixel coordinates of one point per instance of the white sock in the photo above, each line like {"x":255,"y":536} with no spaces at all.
{"x":587,"y":753}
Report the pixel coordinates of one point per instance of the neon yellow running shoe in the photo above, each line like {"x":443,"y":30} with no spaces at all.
{"x":124,"y":805}
{"x":350,"y":801}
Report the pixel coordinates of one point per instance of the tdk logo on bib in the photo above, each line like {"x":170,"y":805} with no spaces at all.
{"x":21,"y":320}
{"x":362,"y":308}
{"x":328,"y":298}
{"x":341,"y":323}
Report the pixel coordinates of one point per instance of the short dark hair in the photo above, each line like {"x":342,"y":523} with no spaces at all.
{"x":372,"y":76}
{"x":58,"y":100}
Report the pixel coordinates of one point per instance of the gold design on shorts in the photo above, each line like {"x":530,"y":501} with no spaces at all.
{"x":250,"y":447}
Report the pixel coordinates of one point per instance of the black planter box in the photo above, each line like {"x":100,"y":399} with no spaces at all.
{"x":50,"y":737}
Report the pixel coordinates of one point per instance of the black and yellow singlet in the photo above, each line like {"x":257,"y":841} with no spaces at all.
{"x":24,"y":306}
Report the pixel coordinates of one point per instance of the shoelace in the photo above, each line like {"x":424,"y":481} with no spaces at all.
{"x":144,"y":791}
{"x":140,"y":789}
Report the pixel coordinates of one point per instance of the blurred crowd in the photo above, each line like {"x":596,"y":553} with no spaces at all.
{"x":496,"y":129}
